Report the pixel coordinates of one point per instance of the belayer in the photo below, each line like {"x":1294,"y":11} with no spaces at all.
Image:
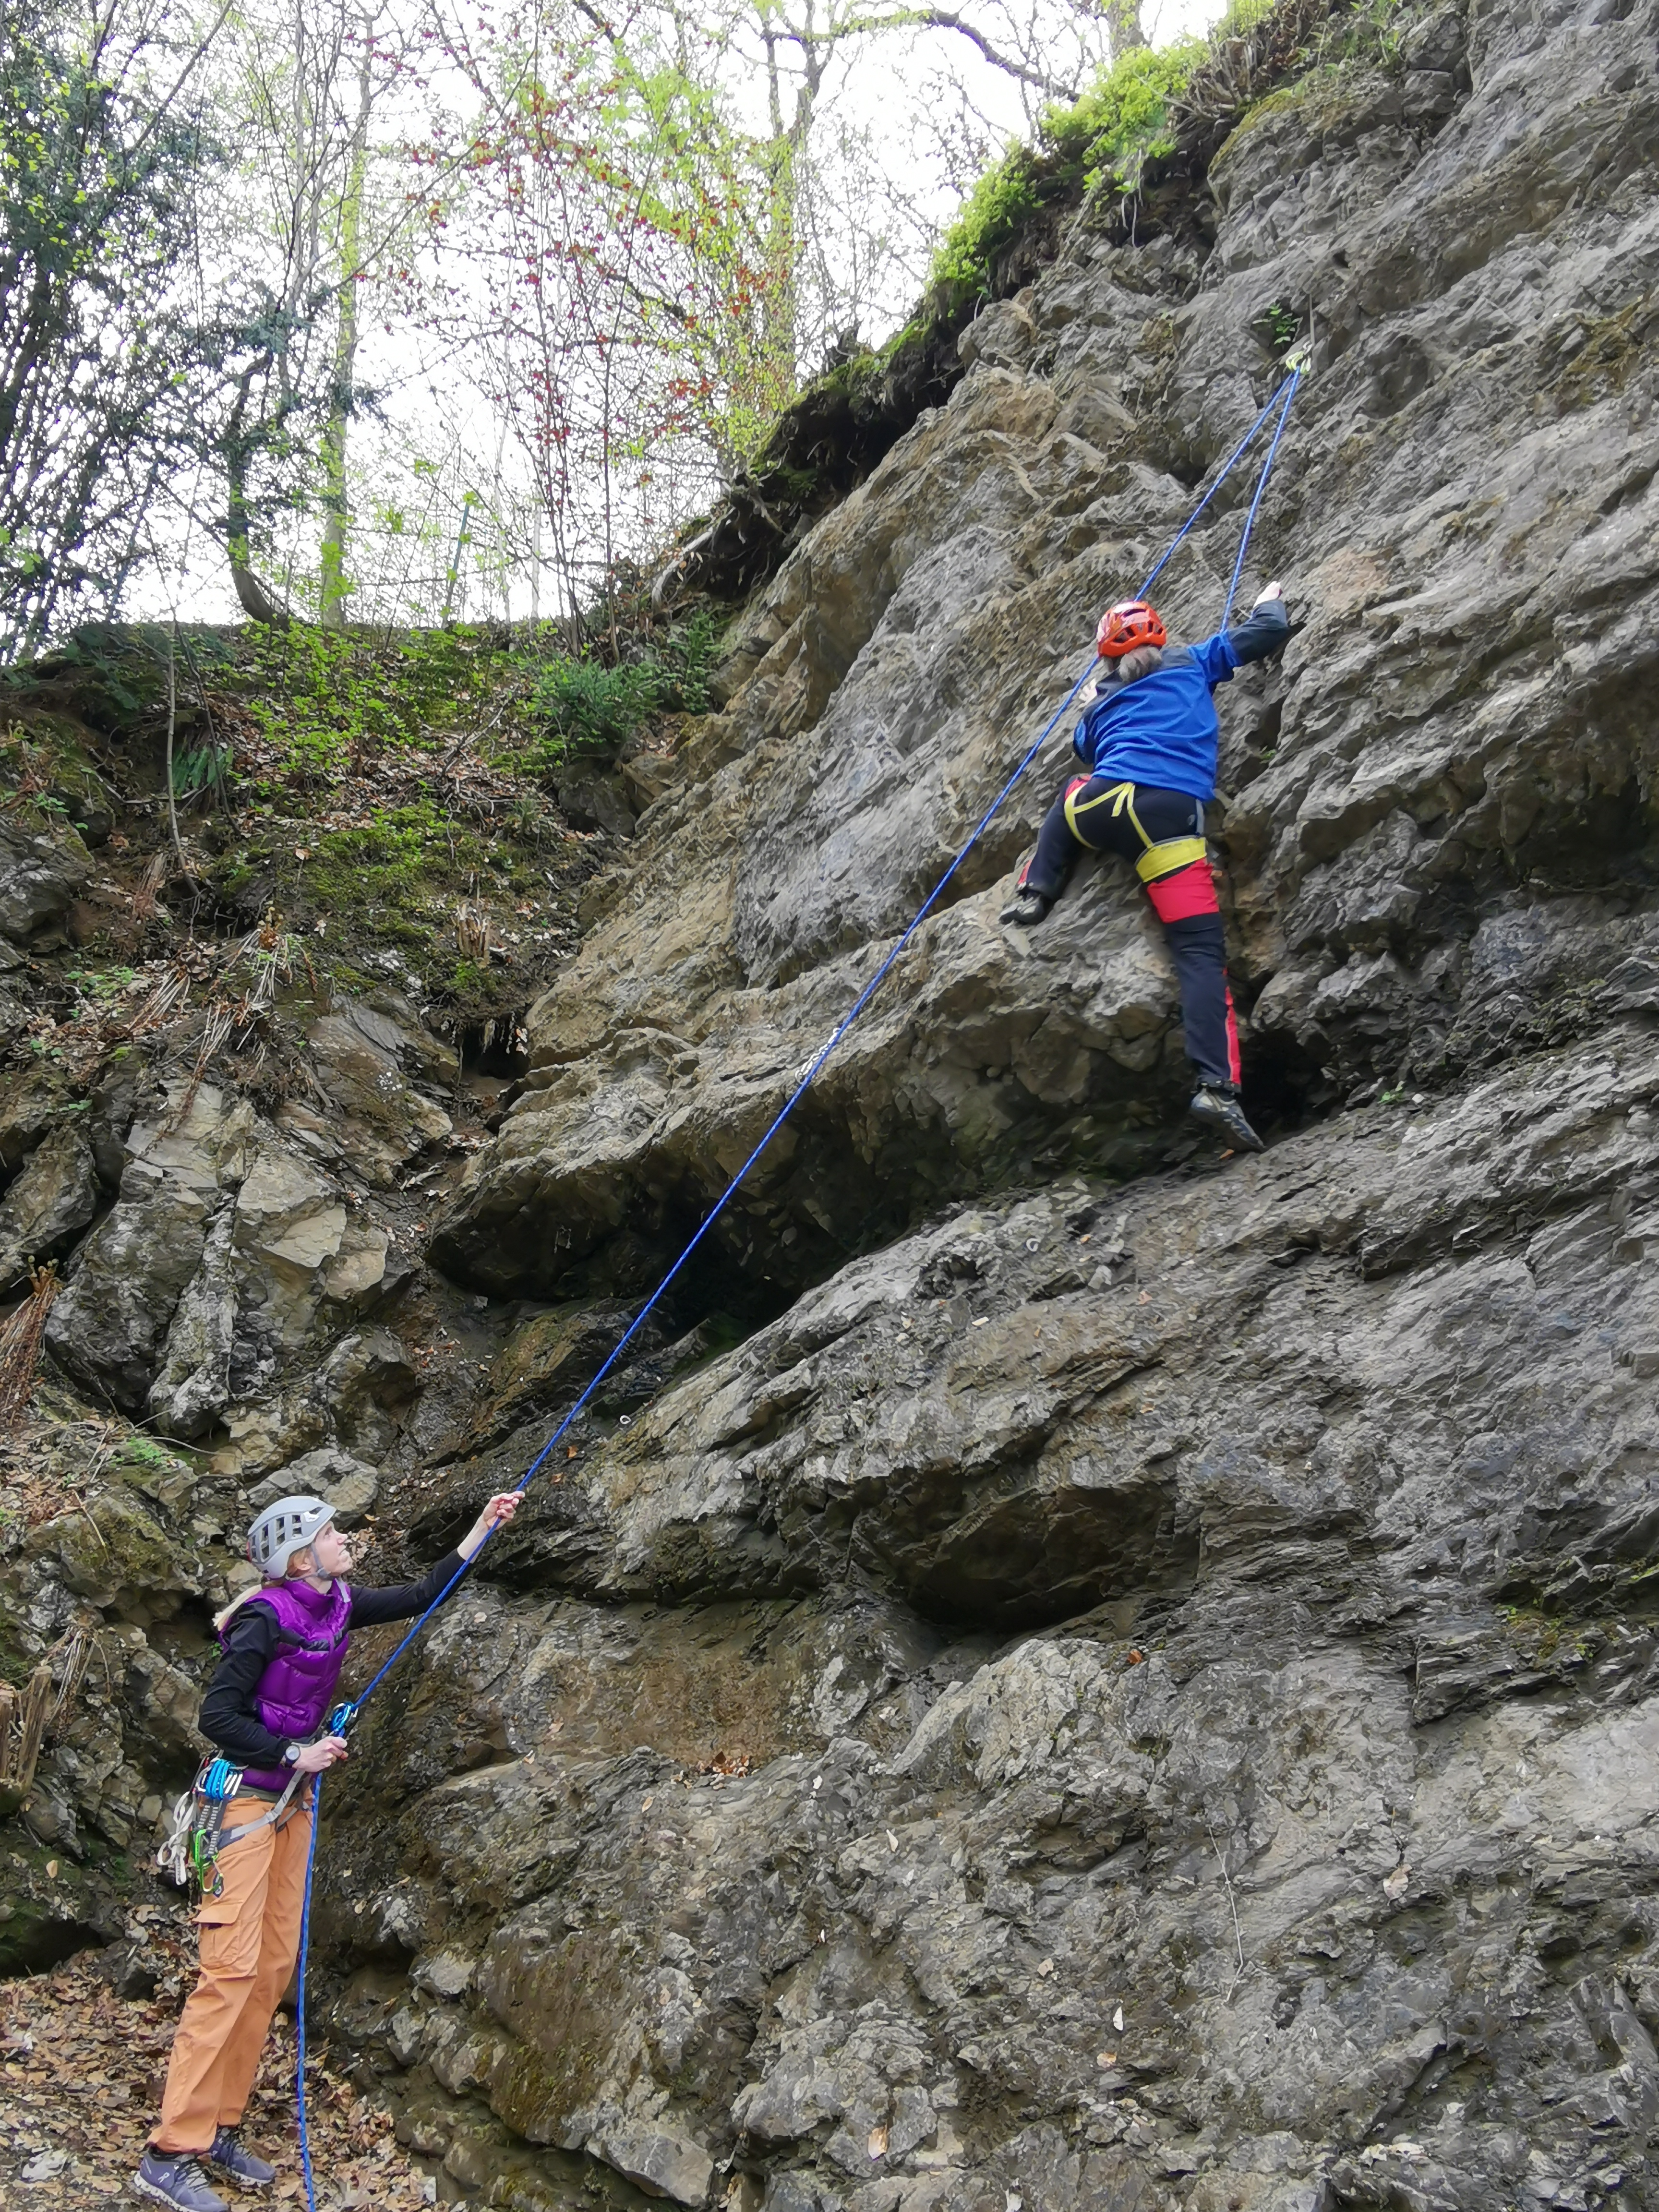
{"x":1148,"y":742}
{"x":283,"y":1646}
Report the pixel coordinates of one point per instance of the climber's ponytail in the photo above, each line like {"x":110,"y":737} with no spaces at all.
{"x":222,"y":1619}
{"x":1141,"y":662}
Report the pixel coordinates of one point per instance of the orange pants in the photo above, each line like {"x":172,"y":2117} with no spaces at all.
{"x":250,"y":1939}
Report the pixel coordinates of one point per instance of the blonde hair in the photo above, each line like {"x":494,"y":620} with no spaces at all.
{"x":223,"y":1619}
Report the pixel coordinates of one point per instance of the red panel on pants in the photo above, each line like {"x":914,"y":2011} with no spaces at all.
{"x":1188,"y":891}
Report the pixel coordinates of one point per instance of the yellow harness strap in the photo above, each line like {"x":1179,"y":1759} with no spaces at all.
{"x":1164,"y":860}
{"x":1157,"y":859}
{"x":1121,"y":797}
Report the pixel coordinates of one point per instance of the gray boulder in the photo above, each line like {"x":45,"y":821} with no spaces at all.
{"x":110,"y":1327}
{"x":40,"y":877}
{"x":346,"y":1484}
{"x":48,"y":1205}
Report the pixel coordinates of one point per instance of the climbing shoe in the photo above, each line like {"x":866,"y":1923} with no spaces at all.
{"x":1217,"y":1104}
{"x":244,"y":2169}
{"x":1026,"y":908}
{"x":176,"y":2178}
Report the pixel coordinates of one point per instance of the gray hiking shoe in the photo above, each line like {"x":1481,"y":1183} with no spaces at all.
{"x":1217,"y":1105}
{"x":176,"y":2178}
{"x":244,"y":2169}
{"x":1026,"y":908}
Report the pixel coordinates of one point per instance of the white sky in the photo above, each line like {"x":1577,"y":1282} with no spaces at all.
{"x":432,"y":412}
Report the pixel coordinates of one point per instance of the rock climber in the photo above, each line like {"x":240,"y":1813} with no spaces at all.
{"x":1148,"y":742}
{"x":283,"y":1644}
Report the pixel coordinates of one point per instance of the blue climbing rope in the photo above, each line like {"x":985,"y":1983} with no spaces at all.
{"x":1288,"y":393}
{"x":345,"y":1715}
{"x":300,"y":1995}
{"x":1280,"y":402}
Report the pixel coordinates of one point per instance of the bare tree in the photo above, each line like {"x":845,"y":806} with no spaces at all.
{"x":103,"y":154}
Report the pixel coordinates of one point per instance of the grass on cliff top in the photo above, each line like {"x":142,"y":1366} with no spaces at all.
{"x":1369,"y":36}
{"x":394,"y":798}
{"x":1107,"y":137}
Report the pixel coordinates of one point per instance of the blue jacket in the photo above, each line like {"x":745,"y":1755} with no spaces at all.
{"x":1162,"y":729}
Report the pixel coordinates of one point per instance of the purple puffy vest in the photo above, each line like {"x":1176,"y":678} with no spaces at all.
{"x":297,"y":1687}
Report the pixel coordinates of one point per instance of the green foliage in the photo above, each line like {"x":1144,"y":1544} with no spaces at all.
{"x":588,"y":709}
{"x":1283,"y":323}
{"x":100,"y":988}
{"x":101,"y":159}
{"x":1118,"y":124}
{"x":204,"y":768}
{"x":143,"y":1451}
{"x":1373,"y":34}
{"x":991,"y":215}
{"x":1105,"y":138}
{"x":1122,"y":121}
{"x":325,"y":698}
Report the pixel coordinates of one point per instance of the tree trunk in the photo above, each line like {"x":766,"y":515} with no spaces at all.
{"x":252,"y":596}
{"x":335,"y":588}
{"x":1123,"y":29}
{"x":784,"y":153}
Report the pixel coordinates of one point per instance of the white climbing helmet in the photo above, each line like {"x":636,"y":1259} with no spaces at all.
{"x":285,"y":1529}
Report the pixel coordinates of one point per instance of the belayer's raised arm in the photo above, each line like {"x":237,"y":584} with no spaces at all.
{"x":242,"y":1834}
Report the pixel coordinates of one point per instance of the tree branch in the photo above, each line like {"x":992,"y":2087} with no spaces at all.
{"x":941,"y":19}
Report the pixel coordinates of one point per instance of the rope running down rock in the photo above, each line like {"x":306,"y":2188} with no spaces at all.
{"x":344,"y":1715}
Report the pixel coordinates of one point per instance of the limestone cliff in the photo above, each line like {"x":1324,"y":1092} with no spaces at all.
{"x":1067,"y":1676}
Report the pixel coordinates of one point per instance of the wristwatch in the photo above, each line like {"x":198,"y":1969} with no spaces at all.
{"x":291,"y":1753}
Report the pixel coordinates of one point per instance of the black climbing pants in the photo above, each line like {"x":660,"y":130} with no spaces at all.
{"x":1162,"y":832}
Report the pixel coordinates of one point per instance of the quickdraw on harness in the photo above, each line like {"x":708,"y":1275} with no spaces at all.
{"x":190,"y":1857}
{"x":1297,"y":364}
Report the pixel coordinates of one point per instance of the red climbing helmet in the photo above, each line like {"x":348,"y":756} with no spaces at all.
{"x":1124,"y":627}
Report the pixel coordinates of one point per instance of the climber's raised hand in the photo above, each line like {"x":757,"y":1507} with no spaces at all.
{"x":498,"y":1511}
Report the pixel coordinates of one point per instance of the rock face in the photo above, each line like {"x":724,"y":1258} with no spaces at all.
{"x":1139,"y":1690}
{"x":226,"y":1261}
{"x":39,"y":876}
{"x":110,"y":1592}
{"x":48,"y":1205}
{"x":1439,"y":826}
{"x":1135,"y":1687}
{"x":1313,"y":1817}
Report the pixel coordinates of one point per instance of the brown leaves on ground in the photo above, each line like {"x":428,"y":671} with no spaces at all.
{"x":81,"y":2073}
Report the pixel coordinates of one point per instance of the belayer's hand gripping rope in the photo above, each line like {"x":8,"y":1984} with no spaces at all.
{"x":342,"y":1717}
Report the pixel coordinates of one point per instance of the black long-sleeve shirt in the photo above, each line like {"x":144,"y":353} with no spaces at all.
{"x":228,"y":1717}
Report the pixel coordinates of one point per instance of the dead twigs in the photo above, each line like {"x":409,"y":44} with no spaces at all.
{"x":23,"y":1717}
{"x":20,"y":1339}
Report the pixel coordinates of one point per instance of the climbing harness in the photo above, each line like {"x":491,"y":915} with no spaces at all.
{"x":343,"y":1716}
{"x":190,"y":1855}
{"x":1160,"y":857}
